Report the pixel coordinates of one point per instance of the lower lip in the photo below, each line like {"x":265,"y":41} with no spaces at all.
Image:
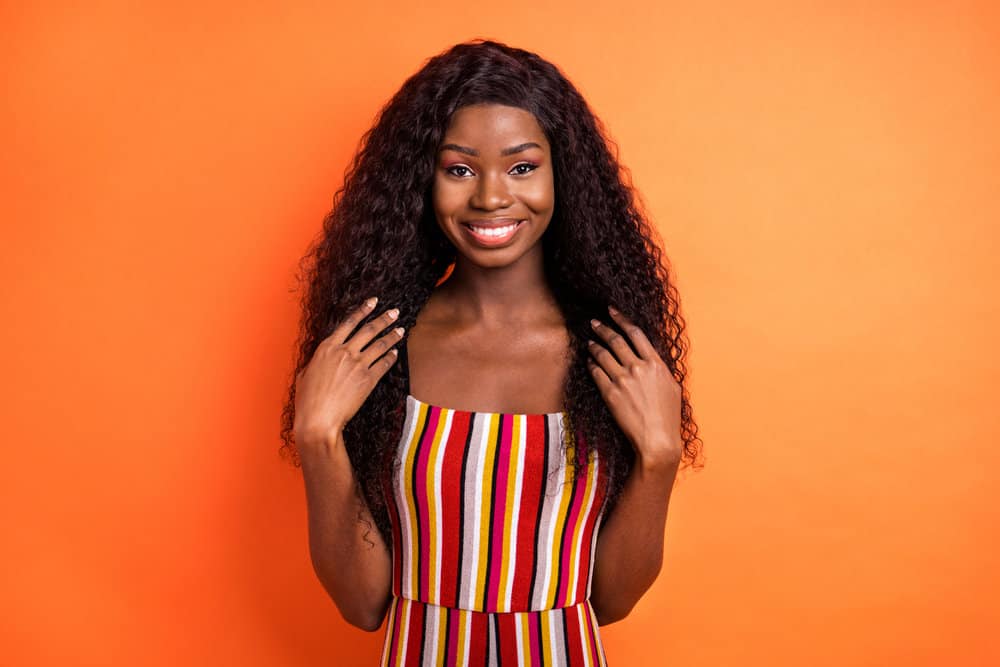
{"x":493,"y":241}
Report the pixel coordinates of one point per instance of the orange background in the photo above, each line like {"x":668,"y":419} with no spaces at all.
{"x":826,"y":179}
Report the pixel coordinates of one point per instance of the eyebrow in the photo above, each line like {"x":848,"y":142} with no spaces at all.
{"x":506,"y":151}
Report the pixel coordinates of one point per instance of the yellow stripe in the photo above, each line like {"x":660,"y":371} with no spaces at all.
{"x":567,"y":493}
{"x":526,"y":643}
{"x":486,"y":484}
{"x":442,"y":621}
{"x":432,"y":517}
{"x":546,"y":644}
{"x":584,"y":630}
{"x":414,"y":555}
{"x":503,"y":604}
{"x":600,"y":646}
{"x":577,"y":529}
{"x":405,"y":612}
{"x":463,"y":629}
{"x":387,"y":646}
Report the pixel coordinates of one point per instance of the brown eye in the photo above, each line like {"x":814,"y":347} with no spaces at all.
{"x":529,"y":168}
{"x":451,"y":169}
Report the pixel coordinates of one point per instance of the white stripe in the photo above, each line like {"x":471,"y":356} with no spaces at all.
{"x":582,"y":522}
{"x":401,"y":657}
{"x":406,"y":521}
{"x":477,"y":527}
{"x":555,"y":500}
{"x":388,"y":633}
{"x":519,"y":634}
{"x":516,"y":511}
{"x":593,"y":543}
{"x":468,"y":634}
{"x":433,"y":623}
{"x":436,"y":491}
{"x":584,"y":636}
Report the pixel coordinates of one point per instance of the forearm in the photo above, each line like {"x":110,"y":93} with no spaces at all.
{"x":348,"y":554}
{"x":629,"y":550}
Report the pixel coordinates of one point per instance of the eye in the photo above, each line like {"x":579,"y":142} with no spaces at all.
{"x":529,"y":168}
{"x":452,"y":169}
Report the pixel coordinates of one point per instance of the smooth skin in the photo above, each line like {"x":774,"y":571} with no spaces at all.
{"x":495,"y":316}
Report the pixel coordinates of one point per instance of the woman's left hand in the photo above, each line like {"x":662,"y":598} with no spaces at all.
{"x":639,"y":390}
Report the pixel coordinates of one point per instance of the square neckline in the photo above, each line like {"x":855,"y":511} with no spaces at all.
{"x":484,"y":412}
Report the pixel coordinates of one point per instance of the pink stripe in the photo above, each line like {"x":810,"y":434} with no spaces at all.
{"x":576,"y":505}
{"x":396,"y":629}
{"x":534,"y":640}
{"x":421,"y":496}
{"x":497,"y":555}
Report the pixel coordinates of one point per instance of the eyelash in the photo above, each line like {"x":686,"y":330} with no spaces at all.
{"x":520,"y":164}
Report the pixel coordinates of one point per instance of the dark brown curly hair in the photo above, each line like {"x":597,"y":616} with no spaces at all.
{"x":381,"y":238}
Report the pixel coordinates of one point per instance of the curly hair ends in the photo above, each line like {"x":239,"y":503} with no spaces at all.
{"x":381,"y":238}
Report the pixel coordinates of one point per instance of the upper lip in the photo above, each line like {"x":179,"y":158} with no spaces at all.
{"x":492,"y":223}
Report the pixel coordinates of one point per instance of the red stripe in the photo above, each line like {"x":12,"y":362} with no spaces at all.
{"x":572,"y":519}
{"x":573,"y":637}
{"x":479,"y":632}
{"x":507,"y":638}
{"x":421,"y":493}
{"x":397,"y":624}
{"x":411,"y":652}
{"x":397,"y":537}
{"x":451,"y":499}
{"x":497,"y":555}
{"x":531,"y":492}
{"x":588,"y":534}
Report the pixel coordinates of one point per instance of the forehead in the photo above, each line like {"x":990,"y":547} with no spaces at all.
{"x":483,"y":126}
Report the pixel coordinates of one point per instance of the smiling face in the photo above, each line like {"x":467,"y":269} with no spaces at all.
{"x":493,"y":190}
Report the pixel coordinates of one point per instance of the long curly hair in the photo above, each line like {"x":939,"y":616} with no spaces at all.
{"x":381,"y":238}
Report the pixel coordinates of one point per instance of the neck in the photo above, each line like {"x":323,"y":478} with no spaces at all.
{"x":499,"y":296}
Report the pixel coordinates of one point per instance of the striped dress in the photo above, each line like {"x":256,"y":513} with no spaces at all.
{"x":493,"y":541}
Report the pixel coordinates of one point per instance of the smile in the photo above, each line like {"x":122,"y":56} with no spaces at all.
{"x":493,"y":236}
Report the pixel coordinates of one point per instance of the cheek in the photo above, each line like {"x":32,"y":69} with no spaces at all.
{"x":538,"y":195}
{"x":446,"y":197}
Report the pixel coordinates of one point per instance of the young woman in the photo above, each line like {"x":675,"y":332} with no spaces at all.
{"x":510,"y":414}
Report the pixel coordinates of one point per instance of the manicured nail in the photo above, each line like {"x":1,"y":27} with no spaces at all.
{"x":399,"y":330}
{"x":371,"y":302}
{"x":612,"y":310}
{"x":394,"y":313}
{"x":595,"y":323}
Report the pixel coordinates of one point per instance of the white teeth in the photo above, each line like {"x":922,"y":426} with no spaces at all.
{"x":499,"y":231}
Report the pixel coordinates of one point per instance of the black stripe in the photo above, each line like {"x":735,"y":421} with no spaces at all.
{"x":562,"y":539}
{"x":541,"y":638}
{"x":447,"y":635}
{"x":493,"y":496}
{"x":496,"y":625}
{"x":423,"y":634}
{"x":416,"y":505}
{"x":461,"y":510}
{"x":538,"y":518}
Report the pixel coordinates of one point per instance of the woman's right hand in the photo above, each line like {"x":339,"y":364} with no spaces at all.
{"x":340,"y":375}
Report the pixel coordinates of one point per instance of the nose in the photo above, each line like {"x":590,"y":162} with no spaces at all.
{"x":491,"y":193}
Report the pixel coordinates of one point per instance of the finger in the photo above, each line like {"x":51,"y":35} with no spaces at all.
{"x":381,"y":345}
{"x":618,"y":344}
{"x":601,"y":378}
{"x":382,"y":364}
{"x":365,"y":334}
{"x":342,"y":330}
{"x":604,"y":359}
{"x":635,"y":333}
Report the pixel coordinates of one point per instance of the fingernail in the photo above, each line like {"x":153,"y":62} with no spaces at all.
{"x":371,"y":302}
{"x":399,"y":330}
{"x":612,"y":310}
{"x":394,"y":313}
{"x":595,"y":323}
